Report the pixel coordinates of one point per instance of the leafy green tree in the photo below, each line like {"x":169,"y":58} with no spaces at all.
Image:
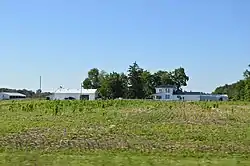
{"x":179,"y":77}
{"x":113,"y":86}
{"x":135,"y":81}
{"x":124,"y":80}
{"x":87,"y":84}
{"x":137,"y":84}
{"x":93,"y":75}
{"x":116,"y":84}
{"x":105,"y":89}
{"x":148,"y":83}
{"x":163,"y":78}
{"x":94,"y":79}
{"x":247,"y":90}
{"x":239,"y":90}
{"x":246,"y":73}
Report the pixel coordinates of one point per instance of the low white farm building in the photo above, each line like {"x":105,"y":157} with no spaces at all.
{"x":170,"y":93}
{"x":11,"y":96}
{"x":73,"y":94}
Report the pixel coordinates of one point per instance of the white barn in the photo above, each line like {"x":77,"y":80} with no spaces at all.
{"x":170,"y":93}
{"x":11,"y":96}
{"x":73,"y":94}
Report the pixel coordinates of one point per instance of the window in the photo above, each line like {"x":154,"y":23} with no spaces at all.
{"x":167,"y":96}
{"x":158,"y":97}
{"x":167,"y":90}
{"x":84,"y":97}
{"x":160,"y":90}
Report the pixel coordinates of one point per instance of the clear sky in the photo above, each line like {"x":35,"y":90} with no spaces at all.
{"x":62,"y":39}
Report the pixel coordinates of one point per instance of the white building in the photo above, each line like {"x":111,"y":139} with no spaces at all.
{"x":73,"y":94}
{"x":11,"y":96}
{"x":169,"y":92}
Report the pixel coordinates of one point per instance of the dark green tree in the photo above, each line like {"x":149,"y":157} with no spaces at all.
{"x":93,"y":80}
{"x":93,"y":75}
{"x":148,"y":83}
{"x":179,"y":77}
{"x":138,"y":84}
{"x":239,"y":90}
{"x":246,"y":73}
{"x":163,"y":78}
{"x":87,"y":84}
{"x":113,"y":86}
{"x":247,"y":89}
{"x":135,"y":82}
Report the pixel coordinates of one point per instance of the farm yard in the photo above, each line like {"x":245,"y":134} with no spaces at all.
{"x":124,"y":132}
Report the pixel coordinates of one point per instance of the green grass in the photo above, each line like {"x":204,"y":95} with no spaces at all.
{"x":124,"y":132}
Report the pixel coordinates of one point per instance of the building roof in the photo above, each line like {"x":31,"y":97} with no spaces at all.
{"x":13,"y":94}
{"x":166,"y":86}
{"x":188,"y":93}
{"x":87,"y":91}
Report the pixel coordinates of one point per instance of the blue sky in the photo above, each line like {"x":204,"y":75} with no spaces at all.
{"x":61,"y":40}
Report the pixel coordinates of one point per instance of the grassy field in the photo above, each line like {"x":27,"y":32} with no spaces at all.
{"x":122,"y":132}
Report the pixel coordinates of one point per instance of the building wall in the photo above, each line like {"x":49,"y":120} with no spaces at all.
{"x":4,"y":96}
{"x":164,"y":96}
{"x":165,"y":90}
{"x":92,"y":96}
{"x":213,"y":97}
{"x":209,"y":98}
{"x":62,"y":96}
{"x":187,"y":97}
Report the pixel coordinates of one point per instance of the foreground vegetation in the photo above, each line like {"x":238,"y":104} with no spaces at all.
{"x":124,"y":132}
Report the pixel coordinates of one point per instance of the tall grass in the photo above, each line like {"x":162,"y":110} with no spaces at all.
{"x":177,"y":129}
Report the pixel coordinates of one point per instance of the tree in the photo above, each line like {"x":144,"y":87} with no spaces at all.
{"x":38,"y":91}
{"x":93,"y":80}
{"x":113,"y":86}
{"x":179,"y":77}
{"x":247,"y":89}
{"x":137,"y":84}
{"x":246,"y":73}
{"x":93,"y":75}
{"x":117,"y":89}
{"x":163,"y":78}
{"x":105,"y":89}
{"x":148,"y":83}
{"x":87,"y":84}
{"x":124,"y":80}
{"x":239,"y":90}
{"x":135,"y":81}
{"x":28,"y":93}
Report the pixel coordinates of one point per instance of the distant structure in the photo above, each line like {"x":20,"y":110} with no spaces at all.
{"x":11,"y":96}
{"x":170,"y":93}
{"x":73,"y":94}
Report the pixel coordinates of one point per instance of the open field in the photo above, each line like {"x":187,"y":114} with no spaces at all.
{"x":121,"y":132}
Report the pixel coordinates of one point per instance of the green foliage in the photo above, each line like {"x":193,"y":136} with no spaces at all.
{"x":237,"y":91}
{"x":137,"y":84}
{"x":135,"y":81}
{"x":246,"y":73}
{"x":28,"y":93}
{"x":112,"y":86}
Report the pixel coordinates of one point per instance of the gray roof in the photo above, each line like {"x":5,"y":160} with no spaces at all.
{"x":83,"y":91}
{"x":13,"y":94}
{"x":166,"y":86}
{"x":188,"y":93}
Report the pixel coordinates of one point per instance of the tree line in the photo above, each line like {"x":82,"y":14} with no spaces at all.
{"x":138,"y":83}
{"x":239,"y":90}
{"x":28,"y":93}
